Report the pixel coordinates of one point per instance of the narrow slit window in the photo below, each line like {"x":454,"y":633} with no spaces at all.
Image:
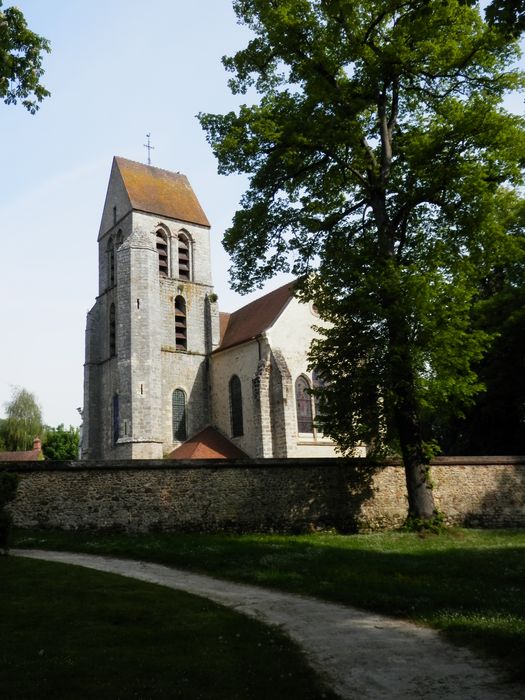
{"x":181,"y":339}
{"x":162,"y":250}
{"x":237,"y":427}
{"x":303,"y":400}
{"x":111,"y":263}
{"x":112,"y":331}
{"x":178,"y":403}
{"x":116,"y":418}
{"x":184,"y":257}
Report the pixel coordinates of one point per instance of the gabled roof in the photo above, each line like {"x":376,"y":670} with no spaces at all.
{"x":161,"y":192}
{"x":255,"y":318}
{"x":208,"y":444}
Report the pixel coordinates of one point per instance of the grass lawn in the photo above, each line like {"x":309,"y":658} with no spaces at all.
{"x":69,"y":632}
{"x":468,"y":583}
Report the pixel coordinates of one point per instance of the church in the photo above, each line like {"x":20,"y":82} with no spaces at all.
{"x":167,"y":375}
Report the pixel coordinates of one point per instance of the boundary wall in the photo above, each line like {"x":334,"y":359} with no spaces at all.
{"x":271,"y":495}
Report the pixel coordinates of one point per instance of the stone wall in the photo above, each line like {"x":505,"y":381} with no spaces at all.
{"x":260,"y":495}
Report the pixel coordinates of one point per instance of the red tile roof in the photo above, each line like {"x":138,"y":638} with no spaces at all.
{"x":24,"y":456}
{"x":208,"y":444}
{"x":161,"y":192}
{"x":224,"y":319}
{"x":254,"y":318}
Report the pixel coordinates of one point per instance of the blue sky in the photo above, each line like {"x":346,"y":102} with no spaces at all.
{"x":118,"y":70}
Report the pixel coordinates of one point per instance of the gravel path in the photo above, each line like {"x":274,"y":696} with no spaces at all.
{"x":363,"y":656}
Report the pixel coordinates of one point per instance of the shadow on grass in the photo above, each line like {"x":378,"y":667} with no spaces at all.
{"x":469,"y":584}
{"x":74,"y":633}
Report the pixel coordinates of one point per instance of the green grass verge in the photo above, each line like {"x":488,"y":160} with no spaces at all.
{"x":69,"y":632}
{"x":468,"y":583}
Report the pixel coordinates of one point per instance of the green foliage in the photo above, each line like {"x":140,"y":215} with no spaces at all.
{"x":8,"y":487}
{"x":379,"y":154}
{"x":507,"y":15}
{"x":434,"y":525}
{"x":20,"y":61}
{"x":60,"y":443}
{"x":24,"y":420}
{"x":495,"y":422}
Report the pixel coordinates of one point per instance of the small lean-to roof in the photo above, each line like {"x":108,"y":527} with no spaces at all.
{"x":161,"y":192}
{"x":255,"y":318}
{"x":208,"y":444}
{"x":22,"y":456}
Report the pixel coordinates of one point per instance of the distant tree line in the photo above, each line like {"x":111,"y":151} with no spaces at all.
{"x":23,"y":423}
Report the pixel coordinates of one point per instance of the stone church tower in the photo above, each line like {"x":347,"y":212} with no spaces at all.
{"x":155,"y":321}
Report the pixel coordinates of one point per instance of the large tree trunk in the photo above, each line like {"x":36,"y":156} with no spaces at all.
{"x":406,"y":413}
{"x":419,"y":489}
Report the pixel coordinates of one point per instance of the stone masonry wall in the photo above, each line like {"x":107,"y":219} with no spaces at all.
{"x":259,"y":495}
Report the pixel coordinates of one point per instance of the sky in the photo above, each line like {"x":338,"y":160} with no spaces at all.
{"x":118,"y":69}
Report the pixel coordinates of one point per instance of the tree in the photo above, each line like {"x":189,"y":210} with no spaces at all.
{"x":20,"y":61}
{"x":23,"y":422}
{"x":495,"y":423}
{"x":376,"y":153}
{"x":507,"y":15}
{"x":60,"y":443}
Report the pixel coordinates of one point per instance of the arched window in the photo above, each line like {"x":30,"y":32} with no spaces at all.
{"x":162,"y":250}
{"x":236,"y":406}
{"x":115,"y":410}
{"x":181,"y":341}
{"x":112,"y":331}
{"x":303,"y":402}
{"x":111,"y":262}
{"x":120,"y":237}
{"x":178,"y":407}
{"x":184,"y":256}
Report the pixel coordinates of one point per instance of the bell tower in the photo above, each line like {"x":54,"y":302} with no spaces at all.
{"x":155,"y":320}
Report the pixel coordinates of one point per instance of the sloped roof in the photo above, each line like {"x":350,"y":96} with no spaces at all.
{"x":161,"y":192}
{"x":208,"y":444}
{"x":254,"y":318}
{"x":224,"y":319}
{"x":23,"y":456}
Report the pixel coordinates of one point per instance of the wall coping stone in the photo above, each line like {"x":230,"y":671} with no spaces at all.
{"x":222,"y":464}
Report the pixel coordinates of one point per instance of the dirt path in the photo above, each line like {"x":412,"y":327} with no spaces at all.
{"x":363,"y":656}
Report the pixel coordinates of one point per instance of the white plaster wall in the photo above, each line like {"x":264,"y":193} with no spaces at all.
{"x":292,"y":333}
{"x":241,"y":360}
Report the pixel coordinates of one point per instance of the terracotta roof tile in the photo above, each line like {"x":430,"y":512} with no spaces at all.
{"x":208,"y":444}
{"x":254,"y":318}
{"x":23,"y":456}
{"x":224,"y":319}
{"x":161,"y":192}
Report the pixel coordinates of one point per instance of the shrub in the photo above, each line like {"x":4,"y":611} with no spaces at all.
{"x":8,"y":487}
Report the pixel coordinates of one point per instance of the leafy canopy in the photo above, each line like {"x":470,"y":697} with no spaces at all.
{"x":61,"y":443}
{"x":20,"y":61}
{"x":378,"y":152}
{"x":23,"y":422}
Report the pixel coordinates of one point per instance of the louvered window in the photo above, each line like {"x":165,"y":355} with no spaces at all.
{"x":181,"y":342}
{"x":112,"y":331}
{"x":162,"y":250}
{"x":303,"y":401}
{"x":236,"y":406}
{"x":184,"y":257}
{"x":178,"y":406}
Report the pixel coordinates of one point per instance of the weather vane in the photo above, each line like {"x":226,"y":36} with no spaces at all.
{"x":149,"y":147}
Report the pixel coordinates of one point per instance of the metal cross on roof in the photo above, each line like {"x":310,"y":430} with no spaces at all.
{"x":149,"y":147}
